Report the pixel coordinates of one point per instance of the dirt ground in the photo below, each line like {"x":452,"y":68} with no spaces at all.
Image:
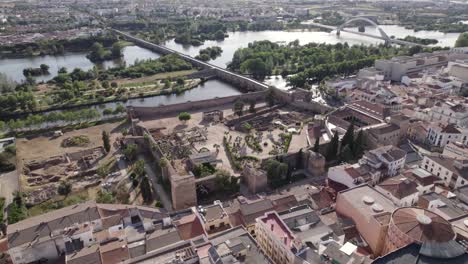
{"x":41,"y":147}
{"x":158,"y":76}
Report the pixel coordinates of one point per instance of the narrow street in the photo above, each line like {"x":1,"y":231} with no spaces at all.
{"x":157,"y":188}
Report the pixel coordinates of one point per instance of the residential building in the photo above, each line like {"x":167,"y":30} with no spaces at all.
{"x":451,"y":206}
{"x":352,"y":175}
{"x":452,"y":171}
{"x":234,"y":245}
{"x":276,"y":239}
{"x":425,"y":180}
{"x":450,"y":112}
{"x":440,"y":135}
{"x":214,"y":217}
{"x":307,"y":226}
{"x":243,"y":211}
{"x":456,"y":150}
{"x":389,"y":158}
{"x":399,"y":189}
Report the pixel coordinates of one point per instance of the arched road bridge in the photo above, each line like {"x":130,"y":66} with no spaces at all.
{"x":383,"y":35}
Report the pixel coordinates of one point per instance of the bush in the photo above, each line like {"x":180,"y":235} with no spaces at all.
{"x":64,"y":188}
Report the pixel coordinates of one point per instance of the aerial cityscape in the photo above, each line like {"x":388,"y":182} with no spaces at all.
{"x":235,"y":132}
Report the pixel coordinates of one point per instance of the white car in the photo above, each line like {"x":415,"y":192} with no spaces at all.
{"x":115,"y":174}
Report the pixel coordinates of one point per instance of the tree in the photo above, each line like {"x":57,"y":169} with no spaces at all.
{"x":219,"y":35}
{"x":103,"y":171}
{"x":462,"y":40}
{"x":256,"y":67}
{"x":225,"y":183}
{"x":180,"y":81}
{"x":104,"y":197}
{"x":332,"y":148}
{"x":139,"y":168}
{"x":105,"y":84}
{"x":44,"y":68}
{"x":270,"y":98}
{"x":184,"y":117}
{"x":146,"y":191}
{"x":64,"y":188}
{"x":252,"y":104}
{"x":130,"y":151}
{"x":359,"y":145}
{"x":348,"y":138}
{"x":62,"y":70}
{"x":106,"y":141}
{"x":317,"y":144}
{"x":277,"y":172}
{"x":114,"y":84}
{"x":116,"y":50}
{"x":346,"y":154}
{"x":238,"y":107}
{"x":16,"y":210}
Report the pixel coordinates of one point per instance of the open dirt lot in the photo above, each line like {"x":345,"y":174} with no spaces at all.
{"x":42,"y":147}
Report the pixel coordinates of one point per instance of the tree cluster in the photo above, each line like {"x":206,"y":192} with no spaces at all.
{"x":209,"y":53}
{"x":351,"y":147}
{"x":277,"y":172}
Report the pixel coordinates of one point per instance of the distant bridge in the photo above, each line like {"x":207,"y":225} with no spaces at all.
{"x":383,"y":35}
{"x":239,"y":80}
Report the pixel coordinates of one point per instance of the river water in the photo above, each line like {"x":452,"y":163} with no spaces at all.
{"x":242,"y":39}
{"x":13,"y":67}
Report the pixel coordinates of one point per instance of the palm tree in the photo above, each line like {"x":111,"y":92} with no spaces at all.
{"x":216,"y":146}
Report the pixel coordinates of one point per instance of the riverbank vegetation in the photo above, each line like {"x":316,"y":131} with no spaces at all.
{"x":310,"y":63}
{"x":99,"y":54}
{"x":195,"y":32}
{"x":43,"y":69}
{"x":423,"y":41}
{"x":56,"y":47}
{"x":462,"y":40}
{"x":209,"y":53}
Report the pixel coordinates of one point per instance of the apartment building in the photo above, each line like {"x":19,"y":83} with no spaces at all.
{"x":453,"y":172}
{"x":275,"y":239}
{"x":449,"y":112}
{"x":439,"y":135}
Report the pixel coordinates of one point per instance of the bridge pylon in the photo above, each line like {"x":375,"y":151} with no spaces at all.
{"x":338,"y":32}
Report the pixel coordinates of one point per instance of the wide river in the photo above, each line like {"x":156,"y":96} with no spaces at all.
{"x":242,"y":39}
{"x":13,"y":68}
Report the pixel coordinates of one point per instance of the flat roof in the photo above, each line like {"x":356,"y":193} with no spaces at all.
{"x":356,"y":196}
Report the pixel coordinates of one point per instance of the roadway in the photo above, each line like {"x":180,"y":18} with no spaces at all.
{"x":395,"y":41}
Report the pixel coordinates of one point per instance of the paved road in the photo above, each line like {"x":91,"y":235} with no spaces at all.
{"x":9,"y":183}
{"x":158,"y":188}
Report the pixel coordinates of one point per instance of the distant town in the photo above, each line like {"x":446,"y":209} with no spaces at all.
{"x":301,"y":131}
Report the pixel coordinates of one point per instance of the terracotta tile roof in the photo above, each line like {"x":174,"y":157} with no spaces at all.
{"x":322,"y":199}
{"x":399,"y":186}
{"x":114,"y":252}
{"x":87,"y":255}
{"x":189,"y":227}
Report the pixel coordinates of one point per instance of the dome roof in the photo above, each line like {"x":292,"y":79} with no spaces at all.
{"x":422,"y":225}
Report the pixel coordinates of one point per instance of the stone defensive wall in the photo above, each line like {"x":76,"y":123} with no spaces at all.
{"x":139,"y":112}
